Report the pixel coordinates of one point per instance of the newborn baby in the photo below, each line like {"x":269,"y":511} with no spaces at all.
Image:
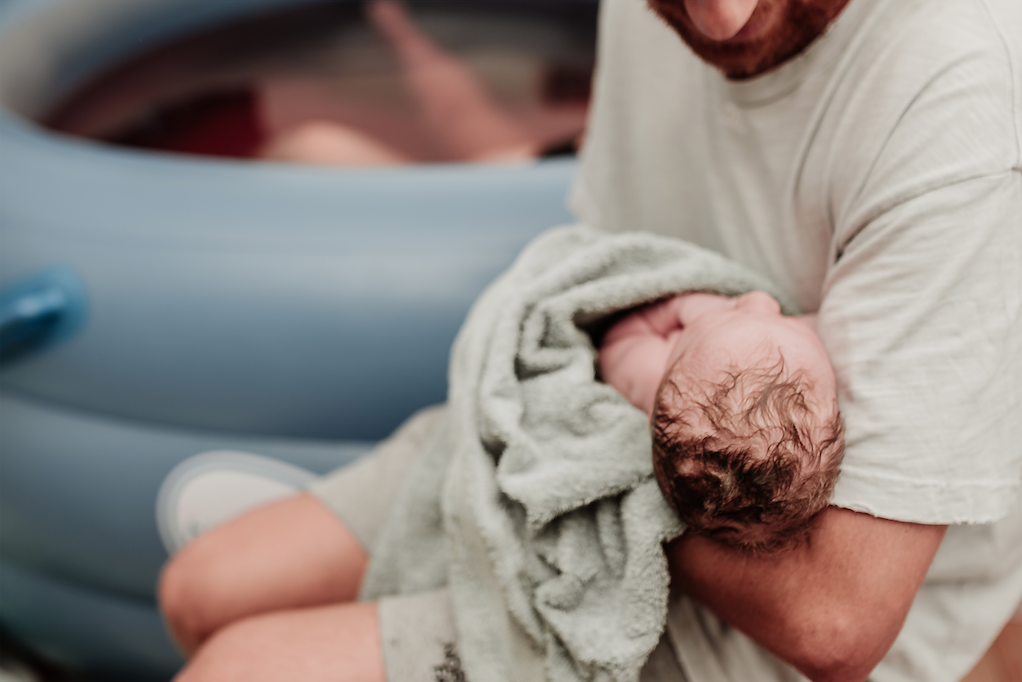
{"x":747,"y":439}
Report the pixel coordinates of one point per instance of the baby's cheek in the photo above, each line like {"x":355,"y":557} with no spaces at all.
{"x":674,"y":345}
{"x":616,"y":367}
{"x":606,"y":362}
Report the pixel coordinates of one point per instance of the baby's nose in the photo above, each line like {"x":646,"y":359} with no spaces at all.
{"x":759,"y":302}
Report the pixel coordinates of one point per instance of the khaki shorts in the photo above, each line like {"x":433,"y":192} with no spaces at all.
{"x":417,"y":631}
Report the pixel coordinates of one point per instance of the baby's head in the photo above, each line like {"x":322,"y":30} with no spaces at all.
{"x":747,"y":438}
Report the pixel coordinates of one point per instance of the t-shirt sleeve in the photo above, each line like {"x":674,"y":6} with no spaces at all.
{"x":922,"y":306}
{"x":922,"y":321}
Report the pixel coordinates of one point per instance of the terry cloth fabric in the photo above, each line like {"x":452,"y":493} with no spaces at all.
{"x":539,"y":485}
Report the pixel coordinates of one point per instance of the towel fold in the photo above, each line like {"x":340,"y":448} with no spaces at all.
{"x":535,"y":500}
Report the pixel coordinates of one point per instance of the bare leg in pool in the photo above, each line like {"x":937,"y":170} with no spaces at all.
{"x":459,"y":115}
{"x":456,"y":106}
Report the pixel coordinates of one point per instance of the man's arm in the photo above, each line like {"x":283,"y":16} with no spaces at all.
{"x":830,"y":607}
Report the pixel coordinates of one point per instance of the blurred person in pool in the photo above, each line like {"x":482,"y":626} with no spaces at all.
{"x":462,"y":120}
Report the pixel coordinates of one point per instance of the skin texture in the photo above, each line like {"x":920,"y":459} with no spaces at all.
{"x":698,"y":338}
{"x":832,"y":606}
{"x":671,"y":358}
{"x":744,"y":38}
{"x":338,"y":642}
{"x":324,"y":143}
{"x":719,"y":20}
{"x":251,"y":594}
{"x":634,"y":353}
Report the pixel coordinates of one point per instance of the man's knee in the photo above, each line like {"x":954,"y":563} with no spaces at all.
{"x":178,"y":603}
{"x":188,"y":596}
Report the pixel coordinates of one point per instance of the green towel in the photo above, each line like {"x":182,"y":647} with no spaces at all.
{"x":535,"y":501}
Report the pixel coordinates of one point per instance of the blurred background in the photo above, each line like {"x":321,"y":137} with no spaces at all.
{"x":236,"y":227}
{"x":239,"y":226}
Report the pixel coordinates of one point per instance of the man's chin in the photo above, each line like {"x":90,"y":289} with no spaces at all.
{"x":788,"y":28}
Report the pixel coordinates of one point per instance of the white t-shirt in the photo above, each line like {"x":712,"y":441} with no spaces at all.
{"x":878,"y":177}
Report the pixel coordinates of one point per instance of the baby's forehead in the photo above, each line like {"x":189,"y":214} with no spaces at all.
{"x":711,"y":367}
{"x":769,"y":352}
{"x":755,"y":353}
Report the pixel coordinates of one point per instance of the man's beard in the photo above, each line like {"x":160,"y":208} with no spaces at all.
{"x":796,"y":24}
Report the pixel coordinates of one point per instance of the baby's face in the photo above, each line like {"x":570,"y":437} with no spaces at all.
{"x":721,"y":333}
{"x":718,"y":369}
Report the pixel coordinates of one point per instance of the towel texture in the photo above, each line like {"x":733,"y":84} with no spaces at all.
{"x":535,"y":499}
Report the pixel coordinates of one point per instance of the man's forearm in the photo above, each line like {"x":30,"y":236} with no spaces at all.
{"x":830,"y":607}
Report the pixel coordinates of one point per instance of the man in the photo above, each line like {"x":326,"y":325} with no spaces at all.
{"x":866,"y":155}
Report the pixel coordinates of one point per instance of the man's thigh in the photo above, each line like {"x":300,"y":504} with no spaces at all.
{"x":285,"y":555}
{"x":307,"y":550}
{"x":339,"y":643}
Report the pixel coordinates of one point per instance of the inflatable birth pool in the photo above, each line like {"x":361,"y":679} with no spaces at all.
{"x":158,"y":305}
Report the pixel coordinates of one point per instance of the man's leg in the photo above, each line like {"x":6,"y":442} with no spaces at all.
{"x":289,"y":554}
{"x":307,"y":550}
{"x":339,"y":643}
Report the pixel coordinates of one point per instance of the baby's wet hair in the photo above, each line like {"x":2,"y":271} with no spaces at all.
{"x":766,"y":469}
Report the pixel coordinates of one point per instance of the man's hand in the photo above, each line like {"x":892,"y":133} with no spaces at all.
{"x":832,"y":606}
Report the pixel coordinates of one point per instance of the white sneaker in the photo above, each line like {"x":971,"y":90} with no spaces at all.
{"x":213,"y":487}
